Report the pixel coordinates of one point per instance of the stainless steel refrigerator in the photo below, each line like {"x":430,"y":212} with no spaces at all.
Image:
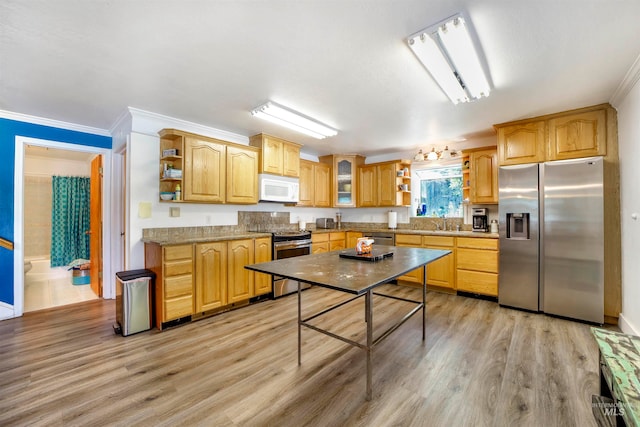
{"x":551,"y":219}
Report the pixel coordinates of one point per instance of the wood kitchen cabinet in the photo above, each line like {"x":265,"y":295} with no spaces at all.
{"x":440,"y":273}
{"x":582,"y":134}
{"x":380,"y":184}
{"x":193,"y":279}
{"x":242,"y":179}
{"x":212,"y":170}
{"x":315,"y":184}
{"x":573,"y":134}
{"x":415,"y":241}
{"x":344,"y":183}
{"x":204,"y":173}
{"x":522,"y":142}
{"x":368,"y":186}
{"x":337,"y":240}
{"x":221,"y":278}
{"x":277,"y":156}
{"x":483,"y":176}
{"x":171,"y":157}
{"x":173,"y":290}
{"x":477,"y":265}
{"x":210,"y":276}
{"x":262,"y":282}
{"x":319,"y":243}
{"x":352,"y":238}
{"x":239,"y":279}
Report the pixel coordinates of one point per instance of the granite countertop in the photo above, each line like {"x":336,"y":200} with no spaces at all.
{"x":463,"y":233}
{"x":165,"y":240}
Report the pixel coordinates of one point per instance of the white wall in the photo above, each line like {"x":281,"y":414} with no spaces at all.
{"x":629,"y":146}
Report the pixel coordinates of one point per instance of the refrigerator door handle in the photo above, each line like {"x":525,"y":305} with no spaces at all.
{"x":541,"y":238}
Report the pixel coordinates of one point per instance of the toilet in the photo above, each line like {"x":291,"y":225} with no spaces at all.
{"x":27,"y":266}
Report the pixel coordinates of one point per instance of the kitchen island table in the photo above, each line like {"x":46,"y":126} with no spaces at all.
{"x":358,"y":278}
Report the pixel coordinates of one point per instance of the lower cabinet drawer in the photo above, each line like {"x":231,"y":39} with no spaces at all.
{"x":176,"y":308}
{"x":178,"y":252}
{"x":478,"y":282}
{"x":317,"y":248}
{"x":178,"y":286}
{"x":477,"y":259}
{"x":175,"y":268}
{"x":408,"y":240}
{"x":336,"y":245}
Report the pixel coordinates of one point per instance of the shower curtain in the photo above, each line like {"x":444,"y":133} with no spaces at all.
{"x":70,"y":219}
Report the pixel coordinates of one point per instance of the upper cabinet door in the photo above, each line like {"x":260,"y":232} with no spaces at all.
{"x":367,"y":186}
{"x":578,"y":135}
{"x":204,"y":171}
{"x":242,"y":171}
{"x":484,"y":176}
{"x":277,"y":156}
{"x":307,"y":182}
{"x":521,"y":143}
{"x":291,"y":160}
{"x":387,"y":187}
{"x":322,"y":185}
{"x":271,"y":156}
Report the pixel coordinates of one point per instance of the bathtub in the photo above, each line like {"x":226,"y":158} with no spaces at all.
{"x":41,"y":269}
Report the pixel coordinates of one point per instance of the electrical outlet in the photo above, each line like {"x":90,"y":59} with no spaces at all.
{"x":174,"y":211}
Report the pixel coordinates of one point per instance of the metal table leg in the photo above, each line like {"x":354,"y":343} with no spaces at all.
{"x":299,"y":323}
{"x":369,"y":315}
{"x":424,"y":301}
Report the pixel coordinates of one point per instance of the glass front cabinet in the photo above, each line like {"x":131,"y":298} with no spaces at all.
{"x":344,"y":184}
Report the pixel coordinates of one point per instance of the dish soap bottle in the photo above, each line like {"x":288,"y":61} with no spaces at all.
{"x":178,"y":193}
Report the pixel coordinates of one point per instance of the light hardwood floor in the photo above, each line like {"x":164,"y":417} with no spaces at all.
{"x":481,"y":365}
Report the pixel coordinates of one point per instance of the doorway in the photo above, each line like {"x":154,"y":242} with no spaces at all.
{"x":48,"y":284}
{"x":67,"y":152}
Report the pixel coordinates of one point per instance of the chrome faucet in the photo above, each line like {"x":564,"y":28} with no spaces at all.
{"x":444,"y":223}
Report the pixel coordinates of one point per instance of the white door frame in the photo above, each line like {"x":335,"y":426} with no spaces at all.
{"x":18,"y":216}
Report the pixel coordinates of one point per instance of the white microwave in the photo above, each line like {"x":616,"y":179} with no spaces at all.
{"x":274,"y":188}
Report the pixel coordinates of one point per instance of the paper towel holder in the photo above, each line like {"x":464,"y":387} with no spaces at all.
{"x":393,"y":220}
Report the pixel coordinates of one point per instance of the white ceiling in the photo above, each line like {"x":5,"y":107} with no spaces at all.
{"x":344,"y":62}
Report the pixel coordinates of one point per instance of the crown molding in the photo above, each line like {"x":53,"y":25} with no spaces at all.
{"x":625,"y":86}
{"x":53,"y":123}
{"x":149,"y":123}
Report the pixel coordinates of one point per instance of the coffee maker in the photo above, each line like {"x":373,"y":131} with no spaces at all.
{"x":479,"y":220}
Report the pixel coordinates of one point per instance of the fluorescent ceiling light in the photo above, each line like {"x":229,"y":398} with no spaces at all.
{"x":290,"y":119}
{"x":447,"y":52}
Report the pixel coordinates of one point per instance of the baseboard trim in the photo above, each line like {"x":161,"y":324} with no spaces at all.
{"x":6,"y":311}
{"x":626,"y":326}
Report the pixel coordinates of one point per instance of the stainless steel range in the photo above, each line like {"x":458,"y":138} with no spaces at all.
{"x":287,"y":244}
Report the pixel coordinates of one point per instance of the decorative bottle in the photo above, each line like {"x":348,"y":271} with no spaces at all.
{"x":178,"y":192}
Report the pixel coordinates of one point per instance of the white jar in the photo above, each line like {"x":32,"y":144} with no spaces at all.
{"x":494,"y":226}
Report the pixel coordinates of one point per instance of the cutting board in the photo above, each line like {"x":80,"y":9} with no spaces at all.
{"x":375,"y":255}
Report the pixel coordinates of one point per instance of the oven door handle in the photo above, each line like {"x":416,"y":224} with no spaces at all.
{"x":291,"y":245}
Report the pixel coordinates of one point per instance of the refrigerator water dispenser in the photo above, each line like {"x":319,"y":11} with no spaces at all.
{"x":518,"y":226}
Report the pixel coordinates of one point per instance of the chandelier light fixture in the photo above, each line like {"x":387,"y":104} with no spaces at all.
{"x":447,"y":52}
{"x":293,"y":120}
{"x":445,"y":154}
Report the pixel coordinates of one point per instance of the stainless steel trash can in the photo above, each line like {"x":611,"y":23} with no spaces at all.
{"x":133,"y":305}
